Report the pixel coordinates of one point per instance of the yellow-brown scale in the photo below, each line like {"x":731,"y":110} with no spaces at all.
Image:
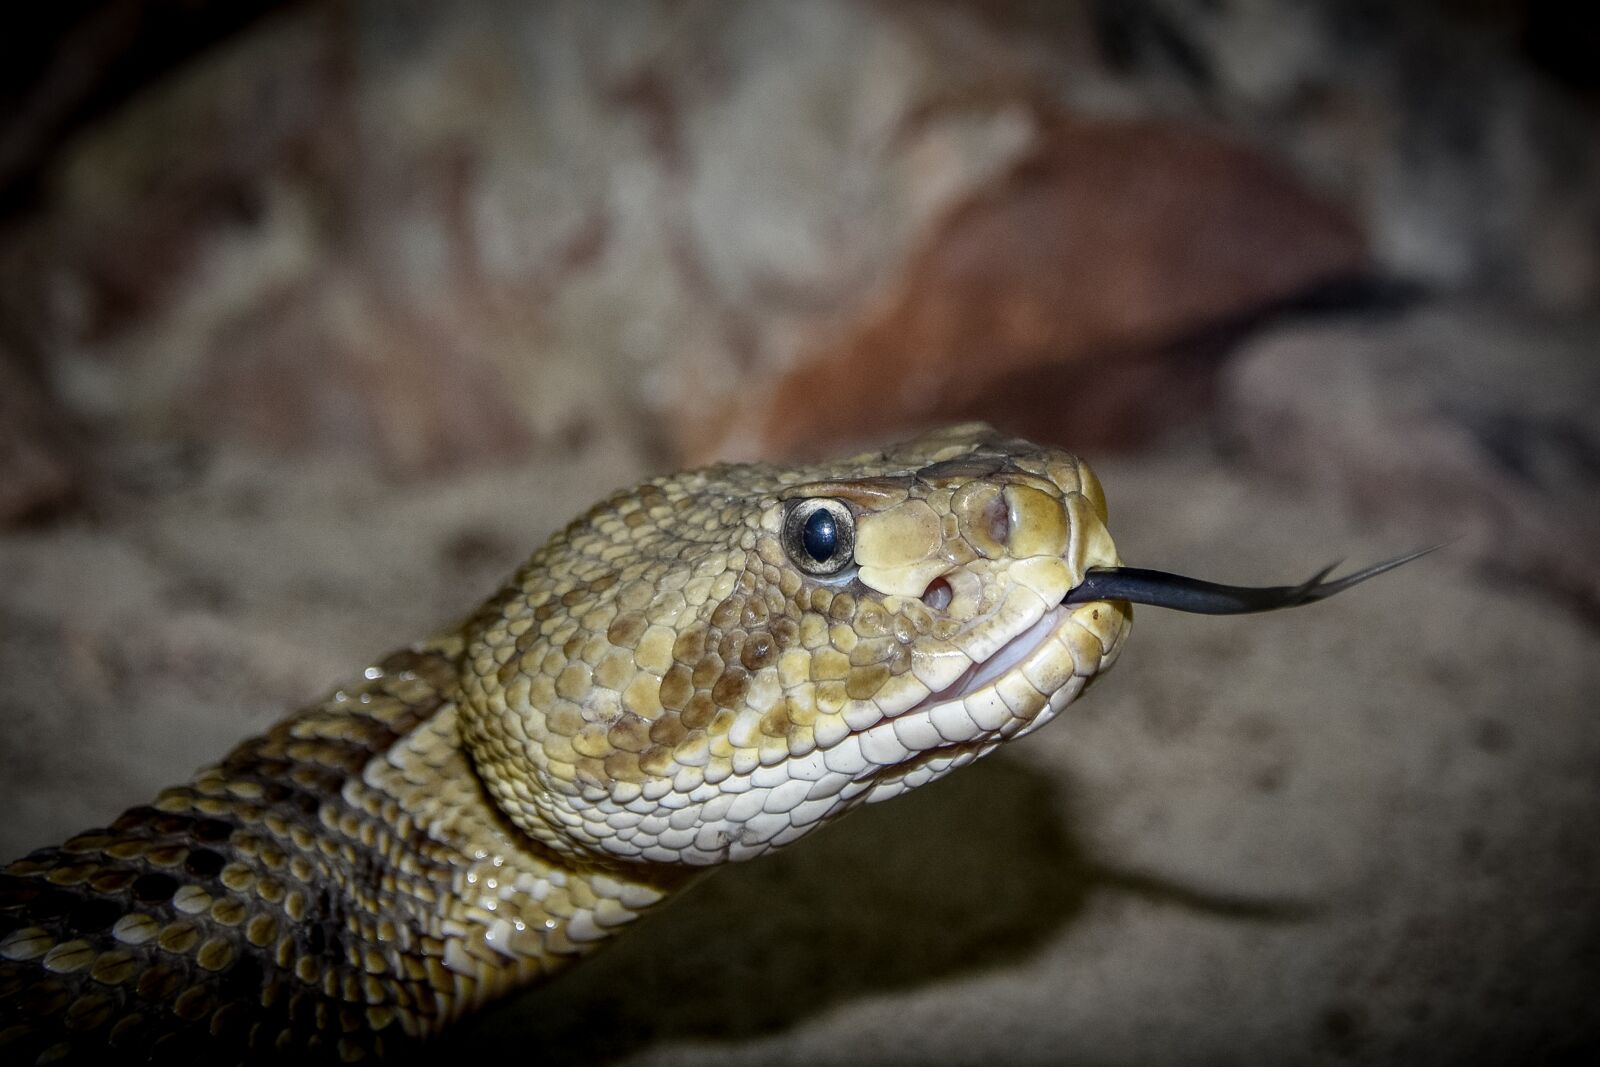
{"x":666,"y":685}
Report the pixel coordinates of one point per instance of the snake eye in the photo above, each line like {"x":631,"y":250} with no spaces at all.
{"x":820,"y":536}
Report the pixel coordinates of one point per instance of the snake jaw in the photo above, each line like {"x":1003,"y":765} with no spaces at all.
{"x":1024,"y":684}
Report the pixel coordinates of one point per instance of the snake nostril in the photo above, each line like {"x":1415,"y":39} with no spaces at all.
{"x":938,"y":594}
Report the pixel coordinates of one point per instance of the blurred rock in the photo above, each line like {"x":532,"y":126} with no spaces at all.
{"x":38,"y":472}
{"x":1465,"y":423}
{"x":1105,"y":246}
{"x":1457,"y":134}
{"x":440,"y":235}
{"x":452,"y":235}
{"x":67,"y":62}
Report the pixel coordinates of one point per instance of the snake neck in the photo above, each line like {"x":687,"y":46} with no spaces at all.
{"x":515,"y":910}
{"x":339,"y":886}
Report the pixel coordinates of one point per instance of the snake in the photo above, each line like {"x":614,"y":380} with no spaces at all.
{"x":698,"y":670}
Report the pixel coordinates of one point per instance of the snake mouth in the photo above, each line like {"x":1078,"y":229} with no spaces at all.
{"x":1015,"y":689}
{"x":1009,"y":655}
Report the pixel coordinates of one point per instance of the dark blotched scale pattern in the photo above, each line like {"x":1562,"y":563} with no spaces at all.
{"x":237,"y":914}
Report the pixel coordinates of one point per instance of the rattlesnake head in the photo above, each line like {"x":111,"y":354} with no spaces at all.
{"x":713,"y":664}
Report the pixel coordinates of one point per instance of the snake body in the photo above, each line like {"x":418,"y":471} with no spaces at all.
{"x":674,"y":681}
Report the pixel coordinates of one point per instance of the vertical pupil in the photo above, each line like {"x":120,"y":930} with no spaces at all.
{"x":821,"y":535}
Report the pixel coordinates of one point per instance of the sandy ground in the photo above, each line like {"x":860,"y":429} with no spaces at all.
{"x":1361,"y":831}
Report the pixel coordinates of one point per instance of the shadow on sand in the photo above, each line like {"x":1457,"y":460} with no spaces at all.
{"x":970,"y":873}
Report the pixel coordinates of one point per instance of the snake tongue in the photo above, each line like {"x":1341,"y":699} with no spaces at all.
{"x":1182,"y":593}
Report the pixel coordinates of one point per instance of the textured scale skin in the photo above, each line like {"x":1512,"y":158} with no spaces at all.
{"x":660,"y":689}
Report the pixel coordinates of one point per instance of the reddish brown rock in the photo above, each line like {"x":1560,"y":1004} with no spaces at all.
{"x":1110,"y":242}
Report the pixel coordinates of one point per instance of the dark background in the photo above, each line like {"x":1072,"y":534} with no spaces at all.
{"x":315,"y":317}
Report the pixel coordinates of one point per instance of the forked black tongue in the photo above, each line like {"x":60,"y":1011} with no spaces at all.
{"x":1182,"y":593}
